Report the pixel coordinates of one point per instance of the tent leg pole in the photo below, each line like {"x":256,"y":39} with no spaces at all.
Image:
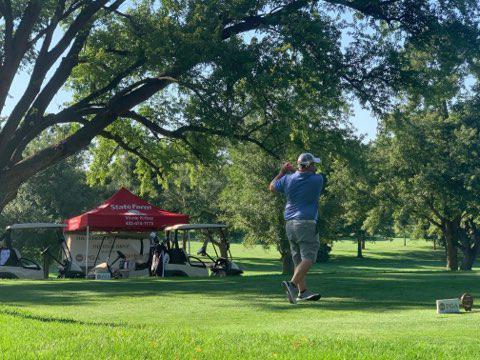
{"x":86,"y":251}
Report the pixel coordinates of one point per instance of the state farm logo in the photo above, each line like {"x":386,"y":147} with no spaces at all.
{"x":130,"y":207}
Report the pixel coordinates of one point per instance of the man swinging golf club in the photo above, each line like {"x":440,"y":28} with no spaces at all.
{"x":302,"y":190}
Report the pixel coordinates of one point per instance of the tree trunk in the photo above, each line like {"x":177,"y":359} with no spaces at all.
{"x":283,"y":248}
{"x":287,"y":263}
{"x":363,"y":243}
{"x":360,"y":246}
{"x":404,"y":241}
{"x":469,"y":240}
{"x":452,"y":263}
{"x":434,"y":244}
{"x":7,"y":194}
{"x":451,"y":249}
{"x":223,"y":250}
{"x":469,"y":256}
{"x":470,"y":248}
{"x":223,"y":244}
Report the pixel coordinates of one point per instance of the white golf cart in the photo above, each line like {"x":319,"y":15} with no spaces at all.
{"x":12,"y":264}
{"x":182,"y":263}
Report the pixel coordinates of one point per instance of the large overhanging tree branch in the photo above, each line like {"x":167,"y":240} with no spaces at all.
{"x":81,"y":138}
{"x":117,"y":58}
{"x":15,"y":43}
{"x":77,"y":31}
{"x":141,"y":90}
{"x":181,"y":132}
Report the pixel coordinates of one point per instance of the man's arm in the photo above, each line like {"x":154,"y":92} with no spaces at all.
{"x":287,"y":167}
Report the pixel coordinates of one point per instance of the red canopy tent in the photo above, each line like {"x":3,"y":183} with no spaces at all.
{"x":124,"y":211}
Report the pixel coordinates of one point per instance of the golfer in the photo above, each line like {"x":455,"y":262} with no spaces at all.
{"x":302,"y":190}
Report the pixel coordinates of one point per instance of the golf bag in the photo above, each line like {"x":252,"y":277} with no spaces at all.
{"x":160,"y":259}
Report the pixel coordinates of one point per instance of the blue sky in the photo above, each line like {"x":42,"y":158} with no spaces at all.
{"x":364,"y":122}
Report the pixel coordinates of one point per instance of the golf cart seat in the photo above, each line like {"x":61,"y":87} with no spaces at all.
{"x":16,"y":254}
{"x":5,"y":255}
{"x":179,"y":256}
{"x":142,"y":265}
{"x":10,"y":257}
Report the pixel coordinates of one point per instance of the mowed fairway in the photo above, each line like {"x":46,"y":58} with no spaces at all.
{"x":382,"y":306}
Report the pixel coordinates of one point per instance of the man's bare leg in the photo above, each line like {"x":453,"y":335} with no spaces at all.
{"x":300,"y":273}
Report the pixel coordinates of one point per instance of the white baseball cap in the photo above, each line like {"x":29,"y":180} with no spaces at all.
{"x":308,"y":158}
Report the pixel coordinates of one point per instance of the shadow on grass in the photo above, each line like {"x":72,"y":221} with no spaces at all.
{"x":386,"y":260}
{"x":379,"y":261}
{"x":253,"y":264}
{"x":377,"y":292}
{"x":15,"y":312}
{"x":382,"y":281}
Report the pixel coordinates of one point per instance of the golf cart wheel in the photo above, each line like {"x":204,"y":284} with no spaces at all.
{"x":117,"y":274}
{"x":8,"y":275}
{"x":220,"y":273}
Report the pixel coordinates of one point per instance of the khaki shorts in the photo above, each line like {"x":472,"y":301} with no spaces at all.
{"x":303,"y":239}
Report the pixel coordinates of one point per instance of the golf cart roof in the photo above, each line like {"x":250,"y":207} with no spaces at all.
{"x":195,"y":227}
{"x":35,"y":226}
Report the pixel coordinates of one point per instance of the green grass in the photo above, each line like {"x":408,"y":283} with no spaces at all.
{"x":380,"y":307}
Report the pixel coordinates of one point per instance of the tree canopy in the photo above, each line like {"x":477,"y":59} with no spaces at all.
{"x":429,"y":169}
{"x":170,"y":79}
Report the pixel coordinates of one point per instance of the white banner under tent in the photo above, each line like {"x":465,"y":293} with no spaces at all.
{"x":135,"y":246}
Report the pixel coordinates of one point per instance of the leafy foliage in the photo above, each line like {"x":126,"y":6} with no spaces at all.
{"x":428,"y":164}
{"x":52,"y":196}
{"x":166,"y":76}
{"x":248,"y":204}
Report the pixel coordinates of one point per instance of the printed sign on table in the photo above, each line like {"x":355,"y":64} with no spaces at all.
{"x":132,"y":248}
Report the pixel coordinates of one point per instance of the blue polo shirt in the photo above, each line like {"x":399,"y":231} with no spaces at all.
{"x":302,"y":190}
